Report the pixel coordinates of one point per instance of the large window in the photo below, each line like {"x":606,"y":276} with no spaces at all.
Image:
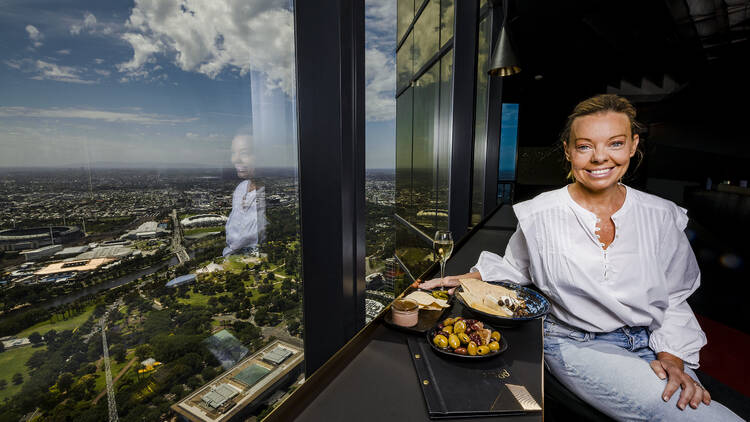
{"x":149,"y":227}
{"x":423,"y":130}
{"x":480,"y":127}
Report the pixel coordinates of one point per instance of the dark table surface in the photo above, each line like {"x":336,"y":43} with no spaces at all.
{"x":379,"y":382}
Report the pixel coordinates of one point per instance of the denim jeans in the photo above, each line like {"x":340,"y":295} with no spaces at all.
{"x":611,"y":372}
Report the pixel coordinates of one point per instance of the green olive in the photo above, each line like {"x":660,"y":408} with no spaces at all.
{"x":448,"y":329}
{"x":495,"y":335}
{"x":459,"y":327}
{"x":483,"y":350}
{"x":448,"y":321}
{"x":472,"y":348}
{"x":440,"y":341}
{"x":464,"y":338}
{"x":494,"y":346}
{"x":453,"y":341}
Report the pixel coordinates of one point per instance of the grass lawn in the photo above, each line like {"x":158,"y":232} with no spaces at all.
{"x":12,"y":361}
{"x":115,"y":368}
{"x":58,"y":324}
{"x":199,"y":230}
{"x":196,"y":299}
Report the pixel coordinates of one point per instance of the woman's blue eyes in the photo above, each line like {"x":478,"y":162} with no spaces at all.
{"x":615,"y":144}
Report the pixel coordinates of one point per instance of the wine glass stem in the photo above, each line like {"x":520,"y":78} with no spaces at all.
{"x":442,"y":274}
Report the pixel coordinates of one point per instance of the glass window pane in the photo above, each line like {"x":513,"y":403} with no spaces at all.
{"x":426,"y":34}
{"x":508,"y":142}
{"x":424,"y":159}
{"x":405,"y":62}
{"x":415,"y":253}
{"x":153,"y":193}
{"x":480,"y":134}
{"x":405,"y":17}
{"x":444,"y":140}
{"x":446,"y":21}
{"x":404,"y":202}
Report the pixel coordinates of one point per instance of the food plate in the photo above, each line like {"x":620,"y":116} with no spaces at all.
{"x":448,"y":352}
{"x":536,"y":305}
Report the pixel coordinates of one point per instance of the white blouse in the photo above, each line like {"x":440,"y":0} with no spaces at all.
{"x":643,"y":278}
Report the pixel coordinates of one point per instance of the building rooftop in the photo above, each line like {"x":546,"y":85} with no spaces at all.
{"x":251,"y":378}
{"x":187,"y":278}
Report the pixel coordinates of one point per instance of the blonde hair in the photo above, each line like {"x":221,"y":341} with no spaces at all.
{"x":601,"y":104}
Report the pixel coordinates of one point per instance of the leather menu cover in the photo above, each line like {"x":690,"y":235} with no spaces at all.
{"x":455,"y":388}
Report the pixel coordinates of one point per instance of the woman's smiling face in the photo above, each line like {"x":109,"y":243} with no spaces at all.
{"x":599,"y":149}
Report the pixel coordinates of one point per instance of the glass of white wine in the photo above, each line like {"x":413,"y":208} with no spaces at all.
{"x":443,"y":247}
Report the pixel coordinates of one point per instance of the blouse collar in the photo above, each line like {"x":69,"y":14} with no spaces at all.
{"x":590,"y":215}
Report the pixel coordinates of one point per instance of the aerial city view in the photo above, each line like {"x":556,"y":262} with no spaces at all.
{"x":150,"y":255}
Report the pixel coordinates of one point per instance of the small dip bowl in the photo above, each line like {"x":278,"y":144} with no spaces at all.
{"x":405,"y":312}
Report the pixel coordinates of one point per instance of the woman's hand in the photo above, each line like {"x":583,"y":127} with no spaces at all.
{"x":449,"y":281}
{"x":670,"y":366}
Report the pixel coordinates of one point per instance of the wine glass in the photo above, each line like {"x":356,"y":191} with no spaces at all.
{"x":443,"y":247}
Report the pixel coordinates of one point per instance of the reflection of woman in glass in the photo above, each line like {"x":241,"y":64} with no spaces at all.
{"x":246,"y":225}
{"x":618,"y":269}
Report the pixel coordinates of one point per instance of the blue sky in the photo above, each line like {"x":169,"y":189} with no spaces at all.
{"x":166,"y":82}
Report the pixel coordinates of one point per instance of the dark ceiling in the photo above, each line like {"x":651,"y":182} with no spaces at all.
{"x":686,"y":65}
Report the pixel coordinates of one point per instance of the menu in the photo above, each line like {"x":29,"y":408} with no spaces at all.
{"x":455,"y":388}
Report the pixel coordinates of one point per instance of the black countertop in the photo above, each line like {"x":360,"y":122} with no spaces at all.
{"x":373,"y":379}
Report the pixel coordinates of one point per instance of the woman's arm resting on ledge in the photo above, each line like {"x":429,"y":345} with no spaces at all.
{"x":670,"y":366}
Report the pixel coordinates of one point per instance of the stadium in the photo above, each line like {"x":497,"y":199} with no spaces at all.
{"x":204,"y":220}
{"x":33,"y":238}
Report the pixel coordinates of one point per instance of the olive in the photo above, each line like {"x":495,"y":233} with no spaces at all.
{"x":453,"y":341}
{"x":464,"y":338}
{"x":461,"y":351}
{"x":494,"y":346}
{"x":440,"y":341}
{"x":472,"y":348}
{"x":483,"y":350}
{"x":448,"y":321}
{"x":459,"y":327}
{"x":448,"y":329}
{"x":444,"y":333}
{"x":495,"y":335}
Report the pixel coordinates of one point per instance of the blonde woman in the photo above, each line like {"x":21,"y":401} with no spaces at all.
{"x":618,"y":269}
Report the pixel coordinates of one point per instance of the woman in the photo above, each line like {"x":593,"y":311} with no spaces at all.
{"x":618,"y":269}
{"x":246,"y":225}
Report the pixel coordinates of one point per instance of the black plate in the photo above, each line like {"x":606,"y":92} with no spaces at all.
{"x":447,"y":351}
{"x":536,"y":304}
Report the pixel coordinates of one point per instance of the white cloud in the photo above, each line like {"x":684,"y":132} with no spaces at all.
{"x":64,"y":52}
{"x":90,"y":25}
{"x":380,"y":76}
{"x":90,"y":114}
{"x":380,"y":63}
{"x":191,"y":135}
{"x":99,"y":61}
{"x":43,"y":70}
{"x":102,"y":72}
{"x":34,"y":35}
{"x":211,"y":37}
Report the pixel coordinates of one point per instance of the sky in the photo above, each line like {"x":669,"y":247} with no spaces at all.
{"x":167,"y":82}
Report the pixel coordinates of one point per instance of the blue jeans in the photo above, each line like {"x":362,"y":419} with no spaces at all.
{"x":611,"y":372}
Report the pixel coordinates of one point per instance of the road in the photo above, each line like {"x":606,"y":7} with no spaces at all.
{"x":111,"y":404}
{"x":177,"y":238}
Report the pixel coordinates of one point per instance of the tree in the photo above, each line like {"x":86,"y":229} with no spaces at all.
{"x":64,"y":381}
{"x":2,"y":347}
{"x":118,"y":352}
{"x":143,"y":352}
{"x":35,"y":338}
{"x":17,"y":378}
{"x":3,"y":384}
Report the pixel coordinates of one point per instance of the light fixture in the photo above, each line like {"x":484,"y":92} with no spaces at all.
{"x":504,"y":61}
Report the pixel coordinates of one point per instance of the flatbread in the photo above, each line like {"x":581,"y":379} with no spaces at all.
{"x":427,"y":301}
{"x":484,"y":296}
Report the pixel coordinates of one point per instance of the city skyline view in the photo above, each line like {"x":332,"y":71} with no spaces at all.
{"x":128,"y":85}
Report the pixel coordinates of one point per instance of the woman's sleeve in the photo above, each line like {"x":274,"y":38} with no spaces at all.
{"x":679,"y":332}
{"x":514,"y":266}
